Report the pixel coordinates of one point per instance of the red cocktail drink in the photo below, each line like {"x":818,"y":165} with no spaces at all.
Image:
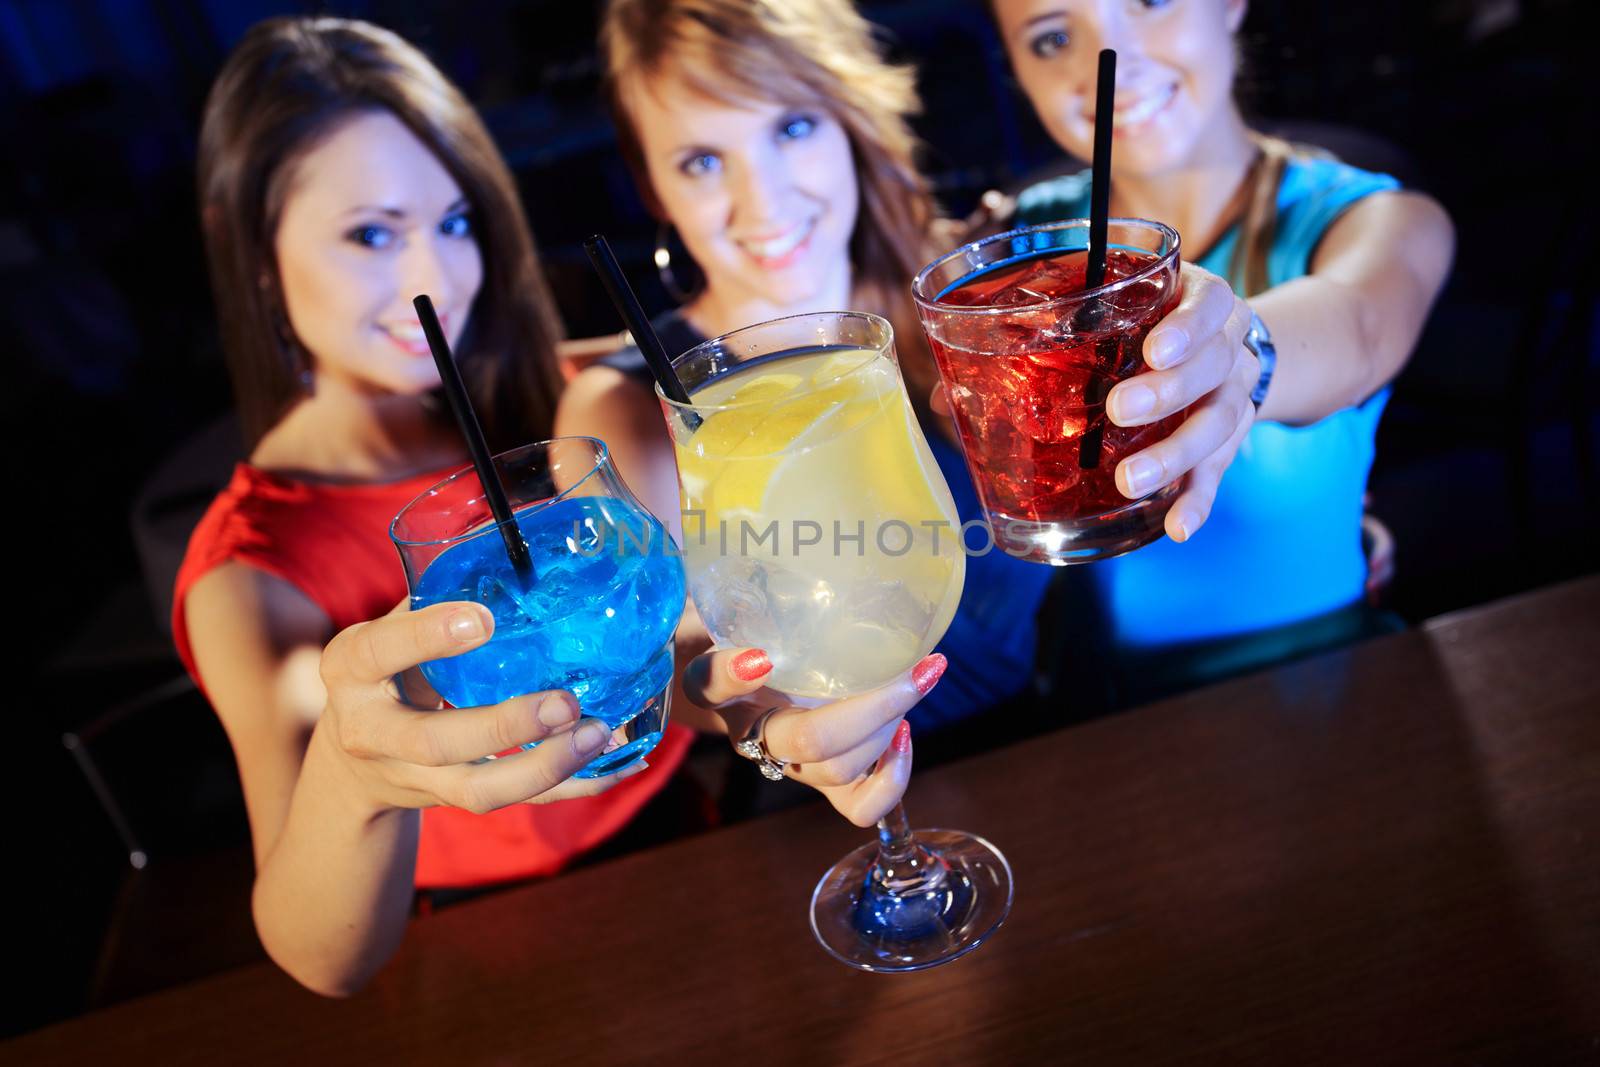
{"x":1027,"y":356}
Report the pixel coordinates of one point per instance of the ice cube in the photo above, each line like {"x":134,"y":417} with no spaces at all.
{"x":731,"y":596}
{"x":556,"y":594}
{"x":1016,"y":294}
{"x":1059,"y":275}
{"x":1010,"y":337}
{"x":511,"y":614}
{"x":634,"y":692}
{"x":890,"y":605}
{"x":1048,"y":361}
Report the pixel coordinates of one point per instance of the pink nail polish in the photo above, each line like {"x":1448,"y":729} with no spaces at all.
{"x":926,"y":675}
{"x":750,"y":664}
{"x":902,"y":738}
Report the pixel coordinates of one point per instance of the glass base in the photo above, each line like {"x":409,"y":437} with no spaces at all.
{"x":633,"y":738}
{"x":618,"y":758}
{"x":1086,"y":539}
{"x":953,"y":891}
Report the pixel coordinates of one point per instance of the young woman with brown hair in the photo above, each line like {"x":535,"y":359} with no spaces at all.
{"x":341,"y":174}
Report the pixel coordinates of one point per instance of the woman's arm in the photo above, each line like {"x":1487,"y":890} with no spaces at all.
{"x":1341,"y":334}
{"x":257,"y":643}
{"x":333,"y":765}
{"x":1346,"y":329}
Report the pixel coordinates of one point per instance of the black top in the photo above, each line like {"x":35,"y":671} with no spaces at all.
{"x":676,"y":335}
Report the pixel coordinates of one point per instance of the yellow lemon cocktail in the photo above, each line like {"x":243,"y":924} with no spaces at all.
{"x":816,"y":523}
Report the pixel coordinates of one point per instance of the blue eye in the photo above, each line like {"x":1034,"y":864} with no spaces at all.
{"x":704,"y":163}
{"x":457,"y":225}
{"x":371,"y":236}
{"x":1155,"y":3}
{"x":1050,"y":43}
{"x":794,"y":127}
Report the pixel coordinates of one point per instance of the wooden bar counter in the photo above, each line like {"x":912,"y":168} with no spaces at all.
{"x":1387,"y":854}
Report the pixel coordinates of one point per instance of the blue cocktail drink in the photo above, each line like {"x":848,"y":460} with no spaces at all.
{"x":594,"y":613}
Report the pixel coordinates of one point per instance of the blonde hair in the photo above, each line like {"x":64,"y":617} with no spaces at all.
{"x":804,"y":53}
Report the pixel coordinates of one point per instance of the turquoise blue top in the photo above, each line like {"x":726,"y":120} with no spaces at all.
{"x":1283,"y":542}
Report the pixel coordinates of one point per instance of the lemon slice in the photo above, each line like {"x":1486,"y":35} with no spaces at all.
{"x":768,"y":387}
{"x":736,"y":478}
{"x":755,"y":462}
{"x":841,"y":364}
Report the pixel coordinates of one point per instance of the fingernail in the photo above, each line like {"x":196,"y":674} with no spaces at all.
{"x":557,"y":709}
{"x":902,"y":738}
{"x":750,"y":664}
{"x":590,"y":736}
{"x":466,"y":626}
{"x":1184,"y":524}
{"x":1142,"y":474}
{"x":1133,"y":402}
{"x":926,"y":674}
{"x":1166,"y":345}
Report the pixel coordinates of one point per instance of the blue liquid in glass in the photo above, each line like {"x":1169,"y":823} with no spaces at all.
{"x":597,"y":618}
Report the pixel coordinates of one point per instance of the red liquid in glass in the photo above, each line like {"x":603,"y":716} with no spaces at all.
{"x":1028,"y":389}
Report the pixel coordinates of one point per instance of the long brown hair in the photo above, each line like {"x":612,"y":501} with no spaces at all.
{"x":292,"y":81}
{"x":804,"y":53}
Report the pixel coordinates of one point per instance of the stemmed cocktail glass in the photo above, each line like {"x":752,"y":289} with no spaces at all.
{"x":818,"y":527}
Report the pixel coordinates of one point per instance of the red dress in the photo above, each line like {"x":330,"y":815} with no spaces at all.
{"x":332,"y":543}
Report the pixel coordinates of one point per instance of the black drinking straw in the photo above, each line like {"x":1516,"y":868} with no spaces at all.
{"x":1100,"y":175}
{"x":644,"y":335}
{"x":1099,"y":209}
{"x":467,"y":419}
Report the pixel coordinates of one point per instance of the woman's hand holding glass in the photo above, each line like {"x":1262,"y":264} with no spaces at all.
{"x":1197,"y":360}
{"x":855,"y":751}
{"x":403,"y":757}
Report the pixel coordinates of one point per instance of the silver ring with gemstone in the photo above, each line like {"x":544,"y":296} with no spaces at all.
{"x":753,"y":746}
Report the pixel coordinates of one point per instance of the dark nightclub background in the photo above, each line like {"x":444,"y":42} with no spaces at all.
{"x":1486,"y":460}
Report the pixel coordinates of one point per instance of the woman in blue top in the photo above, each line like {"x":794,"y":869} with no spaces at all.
{"x":1339,"y":265}
{"x":773,"y":138}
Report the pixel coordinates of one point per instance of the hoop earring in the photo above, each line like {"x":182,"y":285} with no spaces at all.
{"x":663,"y":261}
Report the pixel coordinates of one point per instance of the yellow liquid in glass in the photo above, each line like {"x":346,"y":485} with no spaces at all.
{"x":816,"y":522}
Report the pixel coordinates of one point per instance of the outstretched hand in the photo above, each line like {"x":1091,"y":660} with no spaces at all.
{"x":1198,"y":361}
{"x":404,"y":757}
{"x":855,"y":751}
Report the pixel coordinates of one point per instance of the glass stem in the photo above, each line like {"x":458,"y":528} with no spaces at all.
{"x":894,"y":835}
{"x":904,"y":866}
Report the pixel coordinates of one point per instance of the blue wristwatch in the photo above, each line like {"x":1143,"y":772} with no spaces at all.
{"x":1258,"y":339}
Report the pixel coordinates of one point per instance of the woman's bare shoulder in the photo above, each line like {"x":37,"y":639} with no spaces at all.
{"x":602,"y":397}
{"x":240,"y":610}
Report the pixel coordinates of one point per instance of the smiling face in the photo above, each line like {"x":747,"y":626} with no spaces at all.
{"x":763,"y":195}
{"x":1175,"y":69}
{"x":370,"y":220}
